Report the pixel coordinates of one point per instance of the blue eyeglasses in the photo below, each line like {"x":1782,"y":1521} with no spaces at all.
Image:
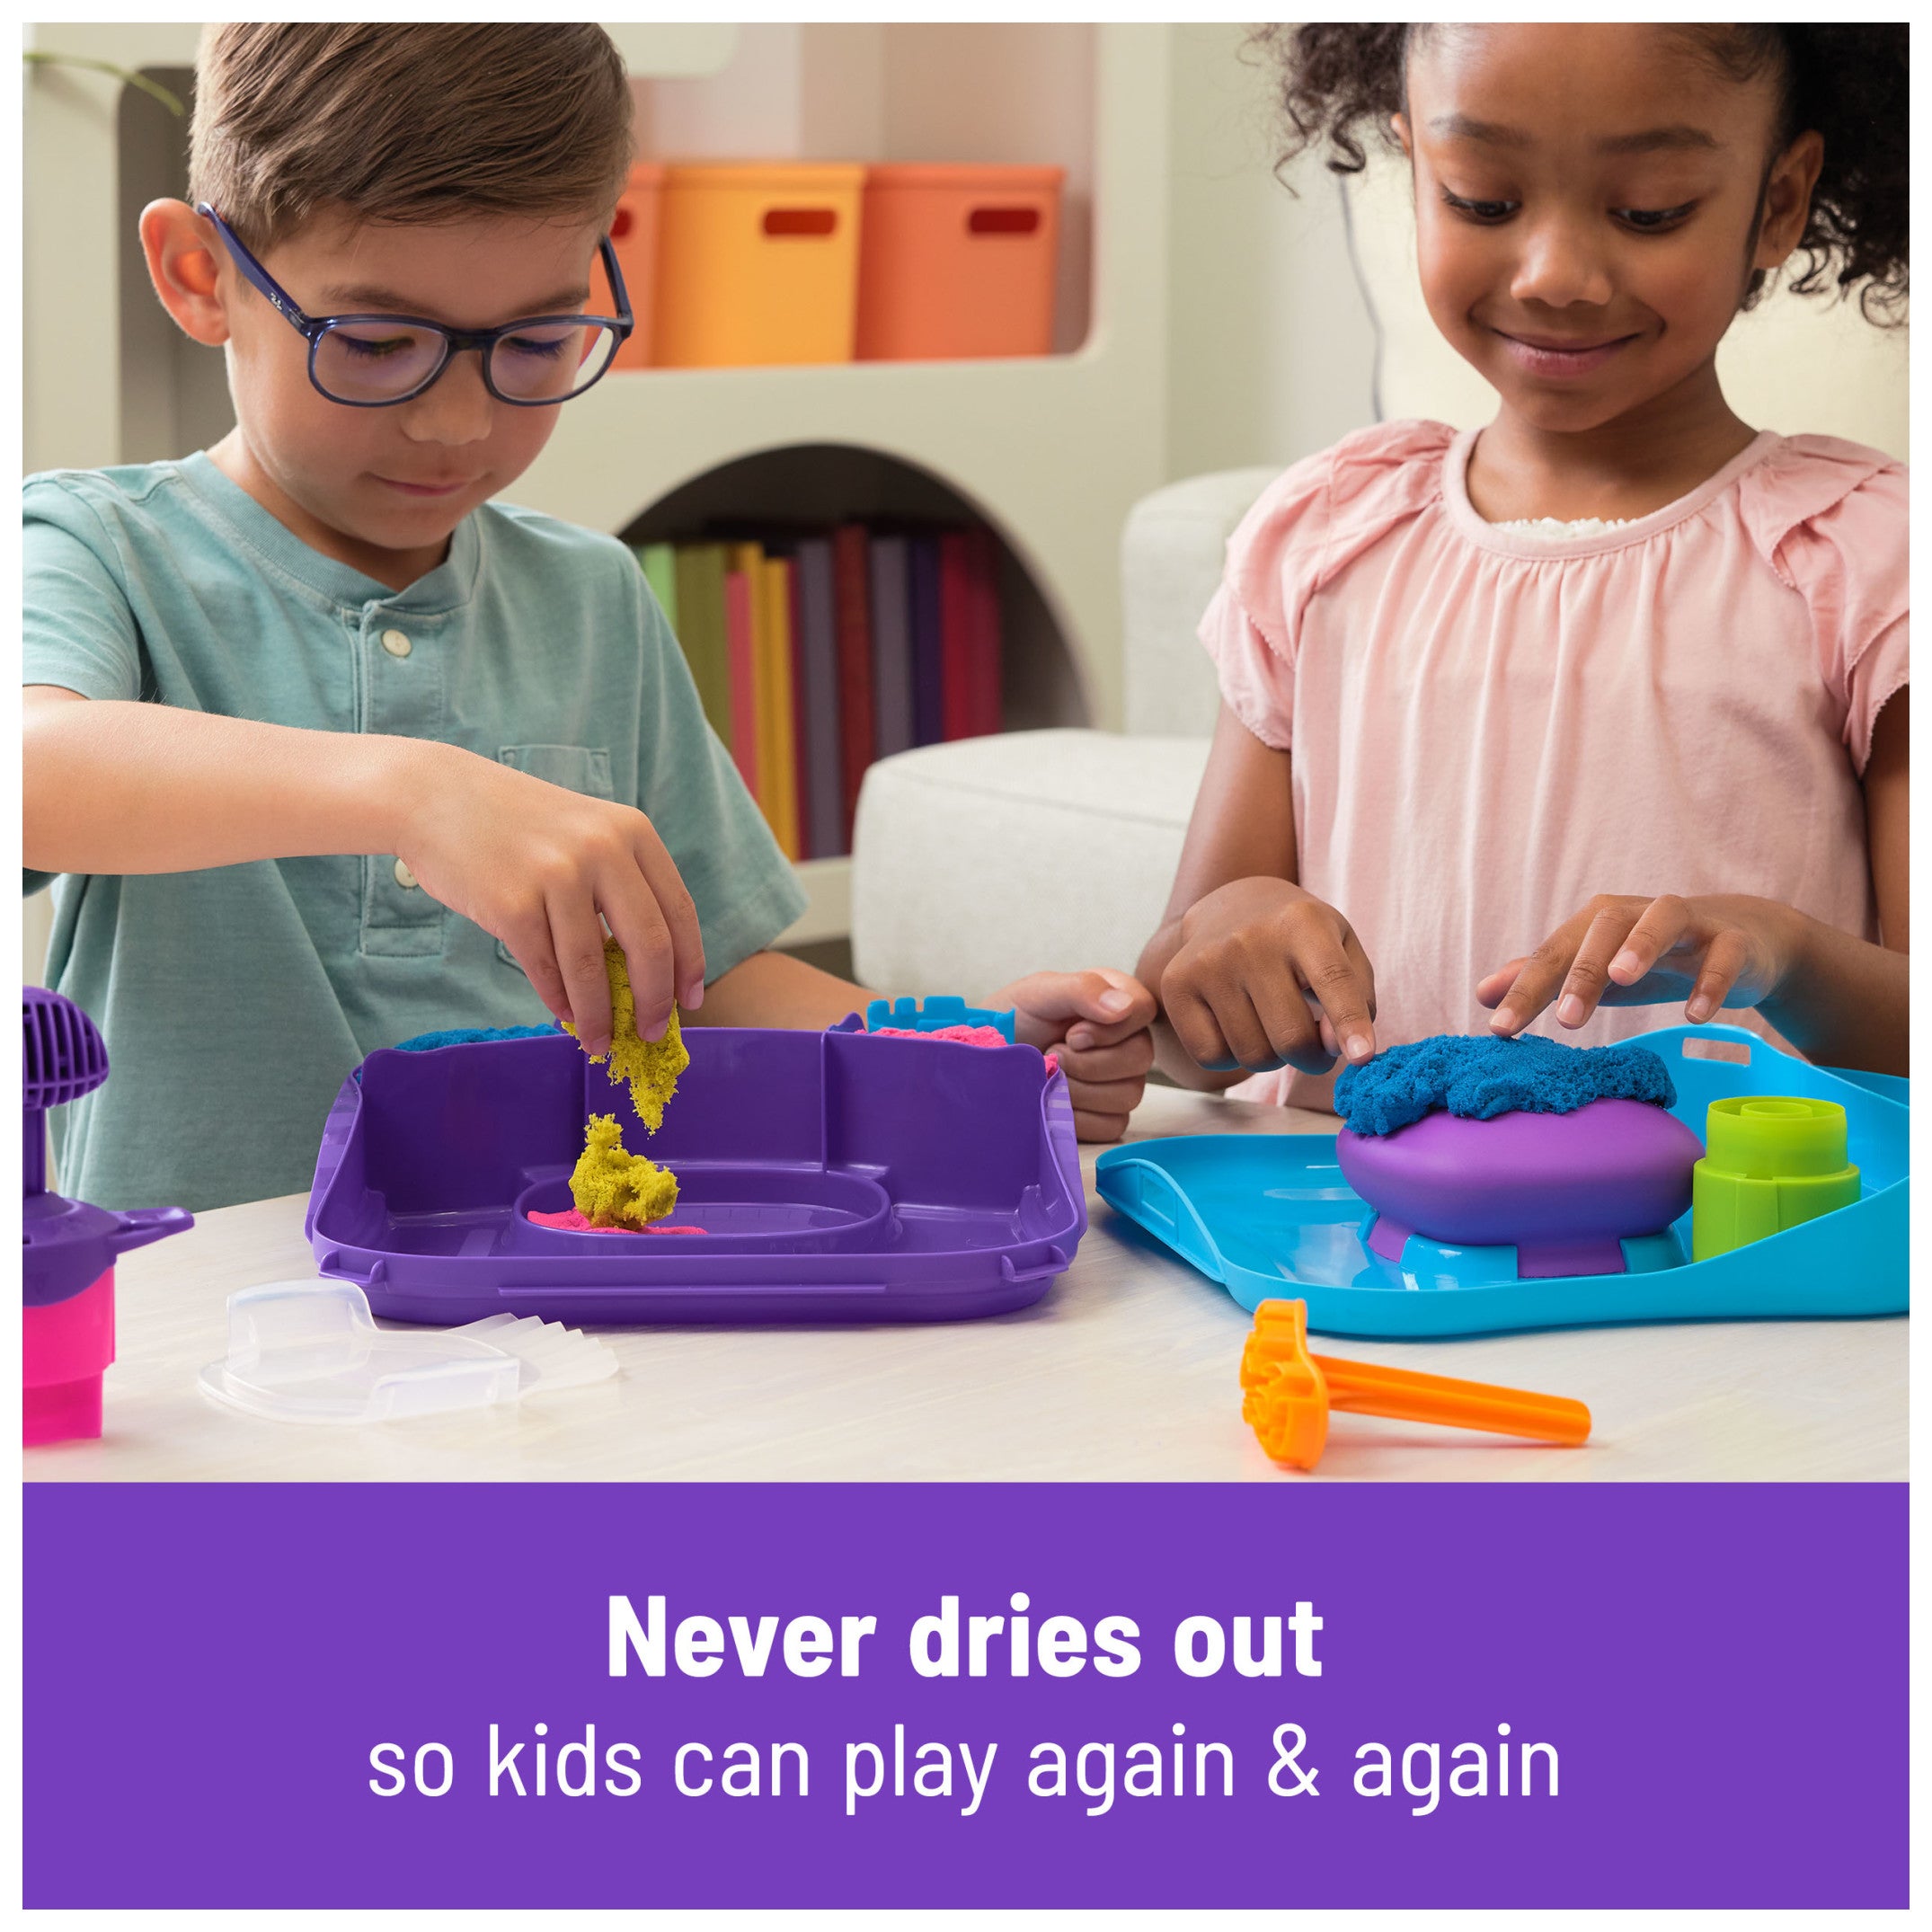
{"x":371,"y":361}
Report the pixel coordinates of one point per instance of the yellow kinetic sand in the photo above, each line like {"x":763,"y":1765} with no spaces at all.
{"x":614,"y":1189}
{"x":650,"y":1066}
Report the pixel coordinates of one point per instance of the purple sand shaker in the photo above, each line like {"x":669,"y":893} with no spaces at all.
{"x":68,"y":1247}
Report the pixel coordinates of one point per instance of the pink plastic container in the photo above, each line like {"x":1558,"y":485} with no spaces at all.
{"x":67,"y":1248}
{"x":65,"y":1348}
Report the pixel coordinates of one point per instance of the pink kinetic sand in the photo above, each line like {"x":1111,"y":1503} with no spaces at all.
{"x":967,"y":1036}
{"x":573,"y":1223}
{"x":971,"y":1036}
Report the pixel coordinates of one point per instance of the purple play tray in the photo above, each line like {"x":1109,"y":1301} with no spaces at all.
{"x":838,"y":1178}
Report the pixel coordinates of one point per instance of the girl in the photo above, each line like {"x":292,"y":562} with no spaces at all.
{"x":1604,"y":705}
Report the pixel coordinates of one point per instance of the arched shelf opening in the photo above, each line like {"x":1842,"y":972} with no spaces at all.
{"x":809,"y":488}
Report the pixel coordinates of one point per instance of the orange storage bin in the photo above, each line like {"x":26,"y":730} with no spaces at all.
{"x":756,"y":262}
{"x":957,"y":262}
{"x":634,"y":238}
{"x":634,"y":234}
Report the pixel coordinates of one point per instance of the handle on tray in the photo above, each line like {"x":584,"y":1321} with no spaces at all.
{"x":336,"y":1132}
{"x":1153,"y":1188}
{"x":1722,"y":1034}
{"x":1055,"y":1264}
{"x":1056,"y":1122}
{"x":331,"y":1263}
{"x":139,"y":1226}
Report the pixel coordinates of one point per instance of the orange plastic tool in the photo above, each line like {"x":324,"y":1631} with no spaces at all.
{"x":1288,"y":1393}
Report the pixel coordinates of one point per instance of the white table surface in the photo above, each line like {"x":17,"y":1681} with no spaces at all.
{"x":1126,"y":1370}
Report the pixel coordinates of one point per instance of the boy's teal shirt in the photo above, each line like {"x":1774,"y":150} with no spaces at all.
{"x":234,"y":1001}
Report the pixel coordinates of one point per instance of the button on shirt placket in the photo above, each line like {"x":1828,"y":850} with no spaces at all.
{"x":402,"y":697}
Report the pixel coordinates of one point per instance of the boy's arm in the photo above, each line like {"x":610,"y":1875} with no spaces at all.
{"x":774,"y":990}
{"x":117,"y":786}
{"x":114,"y":786}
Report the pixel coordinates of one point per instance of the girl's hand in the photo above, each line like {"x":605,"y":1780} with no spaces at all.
{"x":1266,"y":975}
{"x":535,"y":865}
{"x":1098,"y":1023}
{"x":1724,"y":951}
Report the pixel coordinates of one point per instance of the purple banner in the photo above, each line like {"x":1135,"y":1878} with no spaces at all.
{"x":1507,"y":1695}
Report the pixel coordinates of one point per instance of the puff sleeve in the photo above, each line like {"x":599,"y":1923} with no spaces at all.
{"x":1830,"y":518}
{"x":1307,"y":525}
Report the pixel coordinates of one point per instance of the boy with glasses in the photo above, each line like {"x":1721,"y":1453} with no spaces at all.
{"x":332,"y":748}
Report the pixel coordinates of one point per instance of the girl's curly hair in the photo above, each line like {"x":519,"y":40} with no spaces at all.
{"x":1849,"y":83}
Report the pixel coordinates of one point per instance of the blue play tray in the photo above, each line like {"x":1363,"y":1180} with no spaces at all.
{"x":1269,"y":1214}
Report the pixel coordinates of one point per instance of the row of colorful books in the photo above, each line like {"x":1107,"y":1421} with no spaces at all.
{"x":816,"y":652}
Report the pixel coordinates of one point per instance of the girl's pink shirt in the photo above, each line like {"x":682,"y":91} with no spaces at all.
{"x":1487,"y":727}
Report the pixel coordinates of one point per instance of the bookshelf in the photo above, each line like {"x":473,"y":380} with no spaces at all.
{"x":826,"y":484}
{"x":1050,"y":452}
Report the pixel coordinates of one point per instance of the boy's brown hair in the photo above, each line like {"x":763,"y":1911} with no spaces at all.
{"x":406,"y":122}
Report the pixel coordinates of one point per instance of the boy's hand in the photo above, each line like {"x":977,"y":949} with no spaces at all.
{"x":1267,"y":975}
{"x":534,"y":864}
{"x":1098,"y":1023}
{"x":1635,"y":952}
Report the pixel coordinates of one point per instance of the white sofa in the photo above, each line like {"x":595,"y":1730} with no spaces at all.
{"x":978,"y":860}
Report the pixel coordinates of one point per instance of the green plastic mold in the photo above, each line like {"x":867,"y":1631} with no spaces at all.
{"x":1771,"y":1161}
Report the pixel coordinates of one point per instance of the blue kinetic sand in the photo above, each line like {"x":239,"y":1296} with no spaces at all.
{"x":470,"y":1036}
{"x":1269,"y":1214}
{"x":1475,"y":1076}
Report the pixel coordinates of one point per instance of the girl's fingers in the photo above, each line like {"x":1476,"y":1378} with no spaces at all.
{"x":577,"y":938}
{"x":1352,"y":946}
{"x":678,"y":915}
{"x":1194,"y":1023}
{"x":1590,"y":971}
{"x":1289,"y":1025}
{"x":1253,"y":1038}
{"x":1100,"y":1127}
{"x":1346,"y":991}
{"x":1331,"y":1046}
{"x":1536,"y":982}
{"x":1662,"y":926}
{"x":1725,"y":963}
{"x":1365,"y":977}
{"x":1491,"y":988}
